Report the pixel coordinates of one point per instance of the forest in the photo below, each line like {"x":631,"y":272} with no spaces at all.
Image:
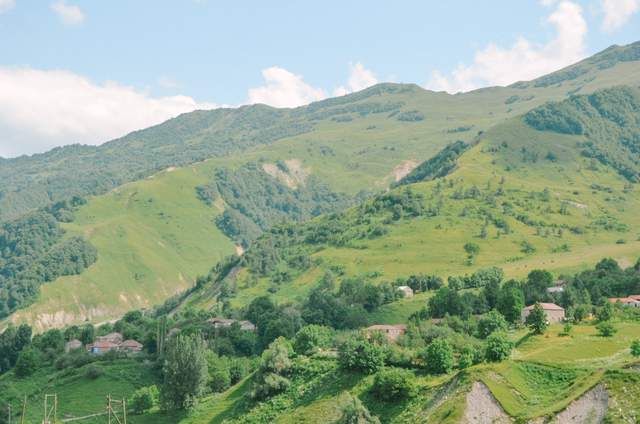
{"x":34,"y":250}
{"x":256,"y":201}
{"x":608,"y":119}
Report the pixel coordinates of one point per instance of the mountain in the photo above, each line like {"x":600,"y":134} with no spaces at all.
{"x":165,"y":204}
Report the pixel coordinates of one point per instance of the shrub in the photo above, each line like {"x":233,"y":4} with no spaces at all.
{"x":144,"y":399}
{"x":498,"y":347}
{"x":310,"y":338}
{"x":358,"y":353}
{"x":635,"y":348}
{"x":393,"y":384}
{"x":354,"y":412}
{"x":27,"y":362}
{"x":466,"y":358}
{"x":606,"y":329}
{"x":490,"y":322}
{"x":93,"y":371}
{"x":276,"y":364}
{"x":438,"y":356}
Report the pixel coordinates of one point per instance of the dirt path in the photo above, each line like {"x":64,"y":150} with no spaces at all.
{"x":590,"y":408}
{"x":482,"y":407}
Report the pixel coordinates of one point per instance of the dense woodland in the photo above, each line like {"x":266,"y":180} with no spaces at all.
{"x":608,"y":119}
{"x":255,"y":201}
{"x":442,"y":164}
{"x":34,"y":250}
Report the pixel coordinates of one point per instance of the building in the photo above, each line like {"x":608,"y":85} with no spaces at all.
{"x":72,"y":345}
{"x":554,"y":312}
{"x":627,"y":301}
{"x":406,"y":291}
{"x":391,"y":332}
{"x":101,"y":347}
{"x":555,"y":289}
{"x":227,"y":322}
{"x":131,"y":346}
{"x":115,"y":338}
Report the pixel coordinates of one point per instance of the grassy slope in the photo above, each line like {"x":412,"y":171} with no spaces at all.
{"x":530,"y":385}
{"x":144,"y":257}
{"x":435,"y":245}
{"x":77,"y":395}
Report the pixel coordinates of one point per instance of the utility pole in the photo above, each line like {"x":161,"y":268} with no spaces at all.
{"x":50,"y":409}
{"x":24,"y":409}
{"x":9,"y":412}
{"x":116,"y":410}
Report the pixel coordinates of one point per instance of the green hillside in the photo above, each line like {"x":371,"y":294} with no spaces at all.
{"x":526,"y":198}
{"x":154,"y":235}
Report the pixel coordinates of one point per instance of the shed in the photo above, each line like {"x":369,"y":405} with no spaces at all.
{"x":554,"y":312}
{"x":72,"y":345}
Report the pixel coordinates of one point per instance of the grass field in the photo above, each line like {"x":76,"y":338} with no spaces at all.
{"x":154,"y":236}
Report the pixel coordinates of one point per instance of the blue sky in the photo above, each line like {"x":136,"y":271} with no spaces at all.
{"x":87,"y":71}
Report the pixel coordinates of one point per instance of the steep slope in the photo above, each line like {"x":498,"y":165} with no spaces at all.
{"x":154,"y":235}
{"x":527,"y":198}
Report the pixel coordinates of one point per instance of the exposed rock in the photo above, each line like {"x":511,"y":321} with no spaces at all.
{"x":482,"y":407}
{"x":590,"y":408}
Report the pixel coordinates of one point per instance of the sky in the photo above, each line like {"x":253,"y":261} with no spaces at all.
{"x":88,"y":71}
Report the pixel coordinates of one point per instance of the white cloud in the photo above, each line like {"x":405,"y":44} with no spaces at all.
{"x":41,"y":109}
{"x":359,"y":79}
{"x":618,"y":12}
{"x":284,"y":89}
{"x":68,"y":13}
{"x":168,"y":82}
{"x":6,"y":5}
{"x":495,"y":65}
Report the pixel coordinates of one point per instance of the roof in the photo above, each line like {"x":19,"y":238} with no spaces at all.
{"x":131,"y":343}
{"x":385,"y":327}
{"x":635,"y":296}
{"x":404,"y":288}
{"x":74,"y":342}
{"x":546,"y":307}
{"x":104,"y":345}
{"x":222,"y":320}
{"x":624,"y":299}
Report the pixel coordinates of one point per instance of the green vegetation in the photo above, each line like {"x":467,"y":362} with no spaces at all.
{"x":608,"y":119}
{"x":256,"y":201}
{"x":33,"y":251}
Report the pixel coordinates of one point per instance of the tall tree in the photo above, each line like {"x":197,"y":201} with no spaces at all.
{"x":185,"y":372}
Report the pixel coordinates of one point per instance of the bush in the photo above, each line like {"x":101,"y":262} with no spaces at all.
{"x":276,"y":364}
{"x":311,"y":338}
{"x":27,"y":362}
{"x":537,"y":320}
{"x":606,"y":329}
{"x":393,"y":384}
{"x":360,"y":354}
{"x":354,"y":412}
{"x":466,"y":358}
{"x":438,"y":356}
{"x":490,"y":322}
{"x":144,"y":399}
{"x":635,"y":348}
{"x":93,"y":371}
{"x":498,"y":347}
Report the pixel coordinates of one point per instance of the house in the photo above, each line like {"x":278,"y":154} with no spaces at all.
{"x":72,"y":345}
{"x":247,"y":326}
{"x":555,"y":289}
{"x":626,"y":301}
{"x":554,"y":312}
{"x":391,"y":332}
{"x":101,"y":347}
{"x":131,"y":346}
{"x":227,"y":322}
{"x":406,"y":291}
{"x":115,"y":338}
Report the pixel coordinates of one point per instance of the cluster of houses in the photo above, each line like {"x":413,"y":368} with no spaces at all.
{"x":108,"y":343}
{"x":632,"y":300}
